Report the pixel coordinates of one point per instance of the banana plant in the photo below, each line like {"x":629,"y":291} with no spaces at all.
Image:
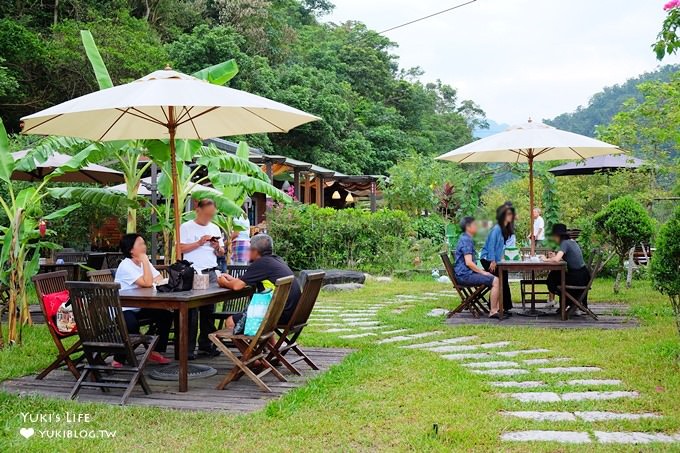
{"x":21,"y":240}
{"x":128,"y":154}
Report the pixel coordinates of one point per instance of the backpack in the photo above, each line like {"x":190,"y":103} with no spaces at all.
{"x":180,"y":277}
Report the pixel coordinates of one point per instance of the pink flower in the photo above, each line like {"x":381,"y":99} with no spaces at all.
{"x":671,"y":4}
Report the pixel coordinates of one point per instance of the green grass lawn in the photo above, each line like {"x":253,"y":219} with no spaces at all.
{"x":388,"y":398}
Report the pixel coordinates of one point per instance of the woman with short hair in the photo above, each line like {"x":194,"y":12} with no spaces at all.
{"x":136,"y":271}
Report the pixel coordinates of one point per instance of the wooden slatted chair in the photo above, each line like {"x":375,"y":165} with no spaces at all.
{"x":113,"y":259}
{"x":289,"y":333}
{"x":103,"y":332}
{"x":102,"y":276}
{"x":472,"y":297}
{"x":533,"y":285}
{"x":54,"y":282}
{"x":595,"y":264}
{"x":232,"y":307}
{"x":254,"y":349}
{"x":72,"y":257}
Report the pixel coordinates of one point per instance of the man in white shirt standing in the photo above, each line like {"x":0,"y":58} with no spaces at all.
{"x":201,"y":243}
{"x":539,"y":227}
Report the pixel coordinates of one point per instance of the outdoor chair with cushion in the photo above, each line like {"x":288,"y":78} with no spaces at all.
{"x":289,"y":333}
{"x":254,"y":350}
{"x":472,"y":297}
{"x":51,"y":283}
{"x":232,"y":307}
{"x":103,"y":333}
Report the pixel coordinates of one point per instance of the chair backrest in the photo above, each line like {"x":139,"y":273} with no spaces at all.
{"x":48,"y":283}
{"x":163,"y":269}
{"x":72,"y":257}
{"x":237,"y":270}
{"x":241,"y":303}
{"x":276,"y":306}
{"x":98,"y":314}
{"x":102,"y":276}
{"x":452,"y":275}
{"x":96,"y":260}
{"x":310,"y":292}
{"x":113,"y":259}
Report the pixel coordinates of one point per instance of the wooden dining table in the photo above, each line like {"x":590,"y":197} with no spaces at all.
{"x":181,"y":302}
{"x":535,"y":267}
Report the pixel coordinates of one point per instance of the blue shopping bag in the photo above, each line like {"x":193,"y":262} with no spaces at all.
{"x":257,"y":309}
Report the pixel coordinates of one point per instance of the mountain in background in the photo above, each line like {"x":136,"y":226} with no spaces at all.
{"x":607,"y":103}
{"x":493,"y":128}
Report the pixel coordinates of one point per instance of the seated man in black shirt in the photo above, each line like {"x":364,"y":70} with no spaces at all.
{"x":265,"y":268}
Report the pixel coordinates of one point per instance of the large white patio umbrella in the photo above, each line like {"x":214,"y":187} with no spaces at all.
{"x":528,"y":143}
{"x":165,"y":104}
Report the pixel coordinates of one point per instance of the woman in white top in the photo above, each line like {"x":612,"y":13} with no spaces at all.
{"x":135,"y":271}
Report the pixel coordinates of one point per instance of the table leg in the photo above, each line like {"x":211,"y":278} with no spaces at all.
{"x":563,"y":293}
{"x":533,"y":291}
{"x":500,"y":286}
{"x":183,"y":348}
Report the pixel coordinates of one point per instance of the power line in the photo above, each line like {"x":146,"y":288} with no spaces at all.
{"x":427,"y":17}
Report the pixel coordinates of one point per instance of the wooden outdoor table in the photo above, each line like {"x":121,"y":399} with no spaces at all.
{"x":73,"y":269}
{"x":535,"y":266}
{"x":182,"y":302}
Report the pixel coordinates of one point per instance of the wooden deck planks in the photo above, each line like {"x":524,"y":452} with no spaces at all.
{"x":239,"y":397}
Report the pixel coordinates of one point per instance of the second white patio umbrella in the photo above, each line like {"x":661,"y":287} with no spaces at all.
{"x":528,"y":143}
{"x":166,"y":104}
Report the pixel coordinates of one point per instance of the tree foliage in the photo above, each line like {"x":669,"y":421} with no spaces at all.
{"x":625,"y":224}
{"x":666,"y":262}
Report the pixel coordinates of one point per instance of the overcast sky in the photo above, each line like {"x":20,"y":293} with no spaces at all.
{"x":520,"y":58}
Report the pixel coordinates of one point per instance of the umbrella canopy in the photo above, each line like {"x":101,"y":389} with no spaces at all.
{"x":165,"y":104}
{"x":600,"y":164}
{"x":90,"y":174}
{"x":528,"y":143}
{"x":146,"y":182}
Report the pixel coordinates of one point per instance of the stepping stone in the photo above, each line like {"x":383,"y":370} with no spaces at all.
{"x":373,"y":328}
{"x":408,"y":337}
{"x":518,"y":384}
{"x":363,"y":323}
{"x":535,"y":397}
{"x":502,"y":372}
{"x":598,"y":416}
{"x":351,"y":320}
{"x":521,"y":351}
{"x":326,"y":310}
{"x":466,"y":356}
{"x":597,"y":396}
{"x":437,"y":312}
{"x":390,"y":332}
{"x":634,"y":437}
{"x":571,"y":369}
{"x":348,"y":329}
{"x":543,"y":416}
{"x":440,"y":342}
{"x":338,"y":330}
{"x":592,"y":382}
{"x":494,"y":365}
{"x":544,"y":361}
{"x":565,"y":437}
{"x":359,"y":335}
{"x":500,"y":344}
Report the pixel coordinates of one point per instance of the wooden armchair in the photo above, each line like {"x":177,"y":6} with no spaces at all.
{"x":232,"y":307}
{"x":102,"y":276}
{"x":595,"y":264}
{"x":256,"y":348}
{"x":472,"y":297}
{"x":288,"y":333}
{"x":103,"y":332}
{"x":48,"y":283}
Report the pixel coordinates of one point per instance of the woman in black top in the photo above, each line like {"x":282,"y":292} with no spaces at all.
{"x":577,"y":272}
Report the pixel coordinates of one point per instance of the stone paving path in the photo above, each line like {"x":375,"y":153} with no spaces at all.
{"x":510,"y":371}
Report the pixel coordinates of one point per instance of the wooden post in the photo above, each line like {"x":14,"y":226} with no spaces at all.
{"x":308,"y":188}
{"x":532,"y":239}
{"x":373,"y":200}
{"x":319,"y":191}
{"x":296,"y":183}
{"x":175,"y":184}
{"x":154,"y":219}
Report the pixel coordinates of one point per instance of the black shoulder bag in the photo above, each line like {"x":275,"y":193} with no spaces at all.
{"x":180,"y":277}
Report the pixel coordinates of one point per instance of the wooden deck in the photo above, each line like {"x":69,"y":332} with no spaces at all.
{"x":239,"y":397}
{"x":611,"y":316}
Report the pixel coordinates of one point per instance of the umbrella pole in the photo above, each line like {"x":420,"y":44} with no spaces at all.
{"x":175,"y":177}
{"x":532,"y":239}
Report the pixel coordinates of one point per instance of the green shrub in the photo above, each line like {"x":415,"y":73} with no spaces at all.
{"x":430,"y":227}
{"x":666,"y":262}
{"x":309,"y":237}
{"x":624,"y":224}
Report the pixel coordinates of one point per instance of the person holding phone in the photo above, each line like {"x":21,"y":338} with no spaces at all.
{"x":201,"y":243}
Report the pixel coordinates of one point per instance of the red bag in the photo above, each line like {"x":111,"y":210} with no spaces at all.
{"x":59,"y":313}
